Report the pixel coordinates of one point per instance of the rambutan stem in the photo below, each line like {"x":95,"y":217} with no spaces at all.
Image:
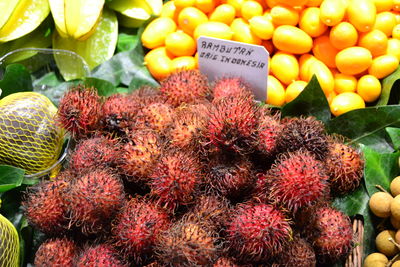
{"x":381,"y":188}
{"x":394,"y":242}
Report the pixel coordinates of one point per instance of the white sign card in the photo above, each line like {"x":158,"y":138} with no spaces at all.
{"x":222,"y":58}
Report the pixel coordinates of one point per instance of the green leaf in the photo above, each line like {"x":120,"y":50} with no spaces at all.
{"x":127,"y":42}
{"x":367,"y":126}
{"x":16,"y":79}
{"x":310,"y":102}
{"x":387,"y":87}
{"x":104,"y":88}
{"x":10,"y":177}
{"x":380,"y":169}
{"x":394,"y":134}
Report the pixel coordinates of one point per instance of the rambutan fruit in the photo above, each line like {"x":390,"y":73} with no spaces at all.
{"x":118,"y":111}
{"x":94,"y":198}
{"x":268,"y":132}
{"x":225,"y":262}
{"x":137,"y":226}
{"x":147,"y":95}
{"x":156,"y":116}
{"x":140,"y":154}
{"x":344,"y":165}
{"x":230,"y":86}
{"x":176,"y":178}
{"x":232,"y":124}
{"x":330,"y":232}
{"x":187,"y":243}
{"x":257,"y":232}
{"x":93,"y":153}
{"x":297,"y":180}
{"x":230,"y":178}
{"x":186,"y":128}
{"x":56,"y":252}
{"x":185,"y":86}
{"x":299,"y":253}
{"x":100,"y":255}
{"x":45,"y":207}
{"x":79,"y":111}
{"x":303,"y":132}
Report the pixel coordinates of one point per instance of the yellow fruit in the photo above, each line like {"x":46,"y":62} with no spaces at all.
{"x":353,"y":60}
{"x":375,"y":41}
{"x":396,"y":31}
{"x":393,"y":48}
{"x":369,"y":88}
{"x":331,"y":96}
{"x":385,"y":22}
{"x":168,"y":10}
{"x":375,"y":260}
{"x":383,"y":5}
{"x":155,"y":33}
{"x":213,"y":29}
{"x":180,"y":44}
{"x":189,"y":18}
{"x":325,"y":51}
{"x":396,"y":5}
{"x":305,"y":62}
{"x":275,"y":92}
{"x":268,"y":46}
{"x":237,"y":4}
{"x":250,"y":9}
{"x":271,"y":3}
{"x":383,"y":244}
{"x":160,"y":66}
{"x":262,"y":27}
{"x":284,"y":15}
{"x":383,"y":66}
{"x":224,"y":13}
{"x":157,"y":52}
{"x":324,"y":76}
{"x":346,"y":102}
{"x":184,"y":3}
{"x":242,"y":32}
{"x":206,"y":5}
{"x":343,"y":35}
{"x":292,"y":2}
{"x":292,"y":40}
{"x":315,"y":3}
{"x":185,"y":62}
{"x":9,"y":243}
{"x":294,"y":89}
{"x":344,"y":83}
{"x":395,"y":186}
{"x":332,"y":12}
{"x":311,"y":23}
{"x":362,"y":14}
{"x":284,"y":67}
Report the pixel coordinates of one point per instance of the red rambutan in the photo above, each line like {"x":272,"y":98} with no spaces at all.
{"x":232,"y":124}
{"x":345,"y":166}
{"x":79,"y":110}
{"x":297,"y":180}
{"x":230,"y":86}
{"x":137,"y":226}
{"x":268,"y":131}
{"x":175,"y":178}
{"x":93,"y":199}
{"x":45,"y":207}
{"x":101,"y":255}
{"x":299,"y":253}
{"x":56,"y":252}
{"x":225,"y":262}
{"x":303,"y":132}
{"x":156,"y":116}
{"x":185,"y":86}
{"x":257,"y":232}
{"x":140,"y":154}
{"x":147,"y":95}
{"x":93,"y":153}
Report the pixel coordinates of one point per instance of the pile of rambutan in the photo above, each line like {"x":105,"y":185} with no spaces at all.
{"x":193,"y":174}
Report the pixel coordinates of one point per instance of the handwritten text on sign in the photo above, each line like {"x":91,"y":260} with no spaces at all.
{"x":221,"y":58}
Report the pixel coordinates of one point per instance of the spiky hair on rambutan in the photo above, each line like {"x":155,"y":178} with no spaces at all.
{"x":118,"y":112}
{"x":230,"y":86}
{"x":297,"y":180}
{"x":94,"y":153}
{"x":185,"y":86}
{"x":330,"y":232}
{"x":176,"y":178}
{"x":156,"y":116}
{"x":140,"y":154}
{"x":188,"y":243}
{"x":257,"y":232}
{"x":303,"y":132}
{"x":268,"y":132}
{"x":147,"y":95}
{"x":136,"y":228}
{"x":79,"y":111}
{"x":93,"y":199}
{"x":232,"y":125}
{"x":56,"y":252}
{"x":101,"y":255}
{"x":45,"y":207}
{"x":225,"y":262}
{"x":345,"y":166}
{"x":231,"y":178}
{"x":299,"y":253}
